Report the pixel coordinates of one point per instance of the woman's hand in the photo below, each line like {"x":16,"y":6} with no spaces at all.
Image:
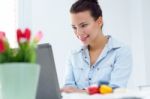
{"x":70,"y":89}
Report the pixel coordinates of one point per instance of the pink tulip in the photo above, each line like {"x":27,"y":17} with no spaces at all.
{"x":2,"y":35}
{"x":38,"y":37}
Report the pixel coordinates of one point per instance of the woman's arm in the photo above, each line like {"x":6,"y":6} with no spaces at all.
{"x":70,"y":84}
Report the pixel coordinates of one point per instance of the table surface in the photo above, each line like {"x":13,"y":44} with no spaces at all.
{"x":126,"y":95}
{"x":130,"y":94}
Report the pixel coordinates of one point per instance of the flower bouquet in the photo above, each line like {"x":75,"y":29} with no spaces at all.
{"x":19,"y":72}
{"x":26,"y":50}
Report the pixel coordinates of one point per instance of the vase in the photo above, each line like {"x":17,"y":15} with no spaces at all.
{"x":19,"y":80}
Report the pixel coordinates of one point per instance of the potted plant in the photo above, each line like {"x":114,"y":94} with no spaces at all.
{"x":19,"y":72}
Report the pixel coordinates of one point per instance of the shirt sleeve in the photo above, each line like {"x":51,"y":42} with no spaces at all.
{"x":69,"y":76}
{"x":122,"y":68}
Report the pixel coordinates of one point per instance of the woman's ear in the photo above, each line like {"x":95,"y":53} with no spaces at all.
{"x":100,"y":21}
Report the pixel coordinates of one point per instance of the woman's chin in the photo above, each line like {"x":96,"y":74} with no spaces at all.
{"x":85,"y":43}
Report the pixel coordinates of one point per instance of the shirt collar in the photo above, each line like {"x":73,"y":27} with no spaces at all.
{"x":112,"y":44}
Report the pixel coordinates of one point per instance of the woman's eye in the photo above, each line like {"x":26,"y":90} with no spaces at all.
{"x":84,"y":25}
{"x":74,"y":28}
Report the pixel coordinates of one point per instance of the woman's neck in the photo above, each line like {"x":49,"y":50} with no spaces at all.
{"x":98,"y":43}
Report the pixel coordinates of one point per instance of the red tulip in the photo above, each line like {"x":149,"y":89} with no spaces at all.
{"x":23,"y":36}
{"x":2,"y":46}
{"x":2,"y":39}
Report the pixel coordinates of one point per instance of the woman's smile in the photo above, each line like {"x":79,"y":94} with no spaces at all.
{"x":83,"y":38}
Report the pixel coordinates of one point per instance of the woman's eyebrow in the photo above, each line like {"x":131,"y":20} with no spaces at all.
{"x":79,"y":24}
{"x":73,"y":25}
{"x":82,"y":23}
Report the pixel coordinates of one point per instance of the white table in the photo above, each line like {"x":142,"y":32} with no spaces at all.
{"x":128,"y":95}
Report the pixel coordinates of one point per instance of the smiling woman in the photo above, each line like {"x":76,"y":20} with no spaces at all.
{"x":8,"y":19}
{"x":102,"y":59}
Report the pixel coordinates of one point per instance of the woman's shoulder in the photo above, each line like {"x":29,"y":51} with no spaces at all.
{"x":117,"y":43}
{"x":77,"y":52}
{"x":120,"y":46}
{"x":78,"y":49}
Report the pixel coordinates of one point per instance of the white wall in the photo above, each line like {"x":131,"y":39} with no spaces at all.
{"x":146,"y":32}
{"x":122,"y":18}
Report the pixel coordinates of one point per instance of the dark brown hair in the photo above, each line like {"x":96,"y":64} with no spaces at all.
{"x":87,"y":5}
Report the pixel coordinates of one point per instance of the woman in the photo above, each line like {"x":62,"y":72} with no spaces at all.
{"x":102,"y":58}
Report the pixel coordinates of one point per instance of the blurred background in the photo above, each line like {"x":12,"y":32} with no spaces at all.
{"x":126,"y":20}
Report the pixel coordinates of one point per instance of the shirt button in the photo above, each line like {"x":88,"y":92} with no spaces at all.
{"x":89,"y":78}
{"x":97,"y":68}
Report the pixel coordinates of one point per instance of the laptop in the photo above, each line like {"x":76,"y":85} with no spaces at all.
{"x":48,"y":87}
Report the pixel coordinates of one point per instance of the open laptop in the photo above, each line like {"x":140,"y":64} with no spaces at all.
{"x":48,"y":87}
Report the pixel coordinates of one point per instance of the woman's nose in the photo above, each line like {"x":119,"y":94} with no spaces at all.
{"x":79,"y":31}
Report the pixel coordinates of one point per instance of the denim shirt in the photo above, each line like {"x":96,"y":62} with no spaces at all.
{"x":113,"y":65}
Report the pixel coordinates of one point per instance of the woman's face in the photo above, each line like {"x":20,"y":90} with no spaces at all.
{"x":85,"y":27}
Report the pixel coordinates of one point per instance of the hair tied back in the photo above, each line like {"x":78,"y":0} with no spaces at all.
{"x":92,"y":1}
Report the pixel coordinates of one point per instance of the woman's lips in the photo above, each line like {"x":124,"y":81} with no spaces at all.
{"x":83,"y":38}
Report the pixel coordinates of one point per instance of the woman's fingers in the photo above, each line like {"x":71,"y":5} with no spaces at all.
{"x":70,"y":89}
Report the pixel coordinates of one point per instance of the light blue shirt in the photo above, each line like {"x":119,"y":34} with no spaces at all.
{"x":114,"y":65}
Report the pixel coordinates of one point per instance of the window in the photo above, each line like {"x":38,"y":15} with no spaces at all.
{"x":8,"y":19}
